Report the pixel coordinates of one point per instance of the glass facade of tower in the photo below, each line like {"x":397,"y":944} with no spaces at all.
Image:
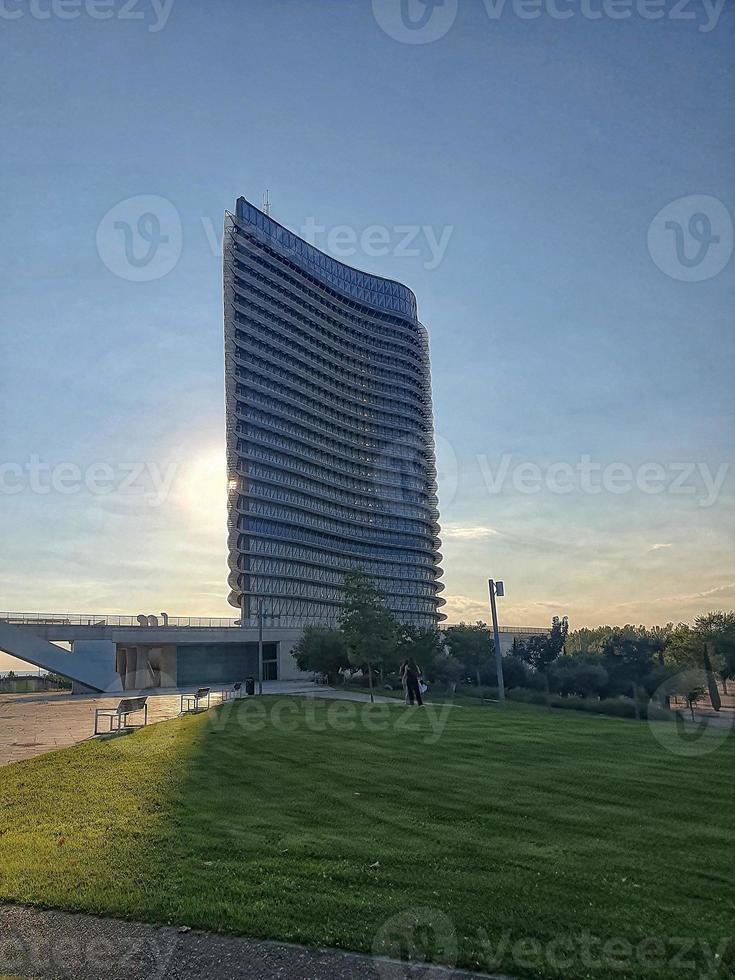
{"x":330,"y":442}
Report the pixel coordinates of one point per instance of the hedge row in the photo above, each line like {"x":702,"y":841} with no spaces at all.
{"x":620,"y":707}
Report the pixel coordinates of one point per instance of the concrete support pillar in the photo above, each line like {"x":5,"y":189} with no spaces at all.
{"x":98,"y":655}
{"x":138,"y":672}
{"x":131,"y":669}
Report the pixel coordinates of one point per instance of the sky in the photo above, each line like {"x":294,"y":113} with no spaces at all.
{"x":554,"y":180}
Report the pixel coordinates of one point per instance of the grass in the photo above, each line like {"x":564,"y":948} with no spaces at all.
{"x":326,"y":823}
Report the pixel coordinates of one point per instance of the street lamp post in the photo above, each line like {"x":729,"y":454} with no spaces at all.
{"x":497,"y":589}
{"x":260,"y":615}
{"x":260,"y":646}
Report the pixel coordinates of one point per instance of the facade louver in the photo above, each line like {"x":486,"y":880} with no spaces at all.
{"x":330,"y":442}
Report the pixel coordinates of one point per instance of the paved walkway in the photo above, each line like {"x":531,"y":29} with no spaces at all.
{"x":32,"y":724}
{"x":43,"y":944}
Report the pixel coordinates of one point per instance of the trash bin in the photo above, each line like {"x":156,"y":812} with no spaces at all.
{"x":250,"y":685}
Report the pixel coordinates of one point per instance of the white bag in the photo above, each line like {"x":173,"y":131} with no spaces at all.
{"x":423,"y":687}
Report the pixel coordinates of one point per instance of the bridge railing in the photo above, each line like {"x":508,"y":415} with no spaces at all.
{"x":103,"y":619}
{"x":203,"y":622}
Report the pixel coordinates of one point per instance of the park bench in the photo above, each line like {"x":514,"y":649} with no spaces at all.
{"x":127,"y":706}
{"x":196,"y":701}
{"x":232,"y":692}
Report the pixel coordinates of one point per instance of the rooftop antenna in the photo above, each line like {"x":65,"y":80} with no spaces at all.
{"x":267,"y":202}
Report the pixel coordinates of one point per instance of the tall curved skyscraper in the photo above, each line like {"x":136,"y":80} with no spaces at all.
{"x":330,"y":441}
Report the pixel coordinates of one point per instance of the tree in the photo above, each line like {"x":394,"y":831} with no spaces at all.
{"x":369,"y":628}
{"x":692,"y":695}
{"x":716,"y":632}
{"x":587,"y":640}
{"x":425,"y":646}
{"x":709,"y":644}
{"x":577,"y":675}
{"x":321,"y":650}
{"x":689,"y":685}
{"x":558,"y":635}
{"x":447,"y":670}
{"x":542,"y":650}
{"x":681,"y":649}
{"x":714,"y":694}
{"x":471,"y":645}
{"x":515,"y":672}
{"x":630,"y":655}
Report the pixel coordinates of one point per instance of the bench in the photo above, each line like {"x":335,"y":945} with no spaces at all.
{"x":232,"y":692}
{"x":127,"y":706}
{"x":194,"y":702}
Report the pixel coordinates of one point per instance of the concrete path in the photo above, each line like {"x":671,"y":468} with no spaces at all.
{"x":59,"y":945}
{"x":32,"y":724}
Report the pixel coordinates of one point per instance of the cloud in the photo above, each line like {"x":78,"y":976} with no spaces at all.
{"x":658,"y":547}
{"x":464,"y":607}
{"x":471,"y":532}
{"x":718,"y":590}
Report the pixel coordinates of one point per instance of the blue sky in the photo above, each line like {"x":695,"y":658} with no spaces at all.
{"x":537,"y":151}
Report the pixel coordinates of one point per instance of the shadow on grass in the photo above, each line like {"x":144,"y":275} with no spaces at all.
{"x":440,"y":832}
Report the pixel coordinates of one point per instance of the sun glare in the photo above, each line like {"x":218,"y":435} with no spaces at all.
{"x":203,"y":488}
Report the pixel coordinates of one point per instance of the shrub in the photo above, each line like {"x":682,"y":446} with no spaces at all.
{"x":360,"y":680}
{"x":655,"y":712}
{"x":321,"y":650}
{"x":621,"y":707}
{"x":469,"y":690}
{"x":446,"y":670}
{"x":569,"y":702}
{"x":526,"y":696}
{"x":575,"y":675}
{"x":515,"y":672}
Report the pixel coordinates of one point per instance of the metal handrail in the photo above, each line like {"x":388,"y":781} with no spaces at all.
{"x":94,"y":619}
{"x":203,"y":622}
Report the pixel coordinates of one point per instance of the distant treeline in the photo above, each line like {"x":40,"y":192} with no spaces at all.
{"x":13,"y":683}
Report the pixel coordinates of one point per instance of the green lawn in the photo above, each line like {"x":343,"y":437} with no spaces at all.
{"x":527,"y":838}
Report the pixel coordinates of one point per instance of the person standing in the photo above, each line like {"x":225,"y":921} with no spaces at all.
{"x":402,"y":675}
{"x":411,"y":677}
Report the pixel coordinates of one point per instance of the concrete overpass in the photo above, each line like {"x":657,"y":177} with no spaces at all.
{"x":114,"y":653}
{"x":110,"y":653}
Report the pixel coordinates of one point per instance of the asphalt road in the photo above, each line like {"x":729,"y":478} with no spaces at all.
{"x":47,"y":944}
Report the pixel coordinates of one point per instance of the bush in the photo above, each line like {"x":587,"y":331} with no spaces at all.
{"x":575,"y":675}
{"x":360,"y":680}
{"x":570,"y":702}
{"x":475,"y":692}
{"x":535,"y":681}
{"x":322,"y":651}
{"x":466,"y":690}
{"x":515,"y":672}
{"x":655,"y":712}
{"x":526,"y":696}
{"x":446,"y":670}
{"x":521,"y":694}
{"x":621,"y":707}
